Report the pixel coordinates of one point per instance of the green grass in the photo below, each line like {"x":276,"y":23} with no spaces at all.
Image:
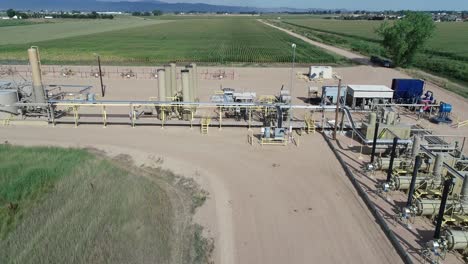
{"x":449,"y":37}
{"x":211,"y":41}
{"x":12,"y":23}
{"x":77,"y":207}
{"x":66,"y":28}
{"x":445,"y":55}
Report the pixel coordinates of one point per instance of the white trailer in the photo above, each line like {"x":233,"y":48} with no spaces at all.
{"x":364,"y":96}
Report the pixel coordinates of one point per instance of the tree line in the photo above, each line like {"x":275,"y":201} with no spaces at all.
{"x":93,"y":15}
{"x":153,"y":13}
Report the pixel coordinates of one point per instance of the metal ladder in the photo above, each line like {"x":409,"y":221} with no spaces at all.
{"x":205,"y":124}
{"x":310,"y":124}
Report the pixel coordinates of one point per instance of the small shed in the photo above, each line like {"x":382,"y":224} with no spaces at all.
{"x":364,"y":96}
{"x":321,"y":72}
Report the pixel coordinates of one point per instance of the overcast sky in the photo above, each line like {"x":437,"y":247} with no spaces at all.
{"x":335,"y":4}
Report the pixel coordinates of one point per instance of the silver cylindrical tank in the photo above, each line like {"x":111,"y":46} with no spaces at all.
{"x":428,"y":207}
{"x":38,"y":89}
{"x":195,"y":81}
{"x":173,"y":79}
{"x":456,"y":239}
{"x":402,"y":182}
{"x":8,"y":99}
{"x":416,"y":146}
{"x":438,"y":165}
{"x":384,"y":163}
{"x":372,"y":119}
{"x":190,"y":69}
{"x":185,"y":85}
{"x":168,"y":85}
{"x":162,"y":85}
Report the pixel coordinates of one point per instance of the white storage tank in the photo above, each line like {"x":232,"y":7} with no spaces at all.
{"x":7,"y":100}
{"x":321,"y":72}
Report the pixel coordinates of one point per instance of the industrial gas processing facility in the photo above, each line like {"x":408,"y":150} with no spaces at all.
{"x":305,"y":165}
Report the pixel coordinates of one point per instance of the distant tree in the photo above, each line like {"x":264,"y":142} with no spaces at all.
{"x":157,"y":13}
{"x":11,"y":13}
{"x":146,"y":14}
{"x":23,"y":15}
{"x":136,"y":13}
{"x":405,"y":37}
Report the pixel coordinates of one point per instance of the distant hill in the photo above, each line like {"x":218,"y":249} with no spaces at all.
{"x":127,"y":6}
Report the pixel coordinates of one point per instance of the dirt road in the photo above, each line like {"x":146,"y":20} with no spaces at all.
{"x":345,"y":53}
{"x":267,"y":205}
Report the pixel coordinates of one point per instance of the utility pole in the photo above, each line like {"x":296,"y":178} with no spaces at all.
{"x":103,"y":89}
{"x":337,"y":108}
{"x":291,"y":85}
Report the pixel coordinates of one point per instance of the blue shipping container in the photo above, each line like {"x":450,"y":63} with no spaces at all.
{"x":407,"y":91}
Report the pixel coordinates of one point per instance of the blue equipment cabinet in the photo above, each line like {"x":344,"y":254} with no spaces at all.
{"x":407,"y":91}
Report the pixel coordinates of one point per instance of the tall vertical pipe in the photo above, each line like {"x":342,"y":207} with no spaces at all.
{"x":162,"y":85}
{"x":438,"y":164}
{"x":103,"y":88}
{"x":464,"y":191}
{"x":191,"y":85}
{"x":374,"y":143}
{"x":279,"y":111}
{"x":417,"y":164}
{"x":337,"y":110}
{"x":173,"y":79}
{"x":416,"y":146}
{"x":168,"y":71}
{"x":440,"y":216}
{"x":392,"y":159}
{"x":195,"y":81}
{"x":38,"y":89}
{"x":185,"y":85}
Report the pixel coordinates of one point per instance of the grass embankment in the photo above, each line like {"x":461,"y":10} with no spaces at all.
{"x":210,"y":41}
{"x":446,"y":53}
{"x":72,"y":206}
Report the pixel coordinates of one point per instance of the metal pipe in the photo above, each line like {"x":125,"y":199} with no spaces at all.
{"x":417,"y":164}
{"x":374,"y":144}
{"x":392,"y":158}
{"x":337,"y":109}
{"x":185,"y":85}
{"x":416,"y":146}
{"x":103,"y":89}
{"x":280,"y":117}
{"x":438,"y":165}
{"x":440,"y":217}
{"x":464,"y":191}
{"x":38,"y":89}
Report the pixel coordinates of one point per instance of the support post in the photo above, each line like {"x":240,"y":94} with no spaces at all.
{"x":440,"y":217}
{"x":337,"y":109}
{"x":103,"y":89}
{"x":417,"y":164}
{"x":392,"y":159}
{"x":104,"y":115}
{"x":220,"y":117}
{"x":374,"y":143}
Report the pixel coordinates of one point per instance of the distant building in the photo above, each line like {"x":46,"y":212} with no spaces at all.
{"x":48,"y":17}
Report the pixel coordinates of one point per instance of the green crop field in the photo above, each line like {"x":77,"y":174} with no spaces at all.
{"x":73,"y":206}
{"x":211,"y":41}
{"x":445,"y":55}
{"x":65,"y":28}
{"x":12,"y":23}
{"x":448,"y":37}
